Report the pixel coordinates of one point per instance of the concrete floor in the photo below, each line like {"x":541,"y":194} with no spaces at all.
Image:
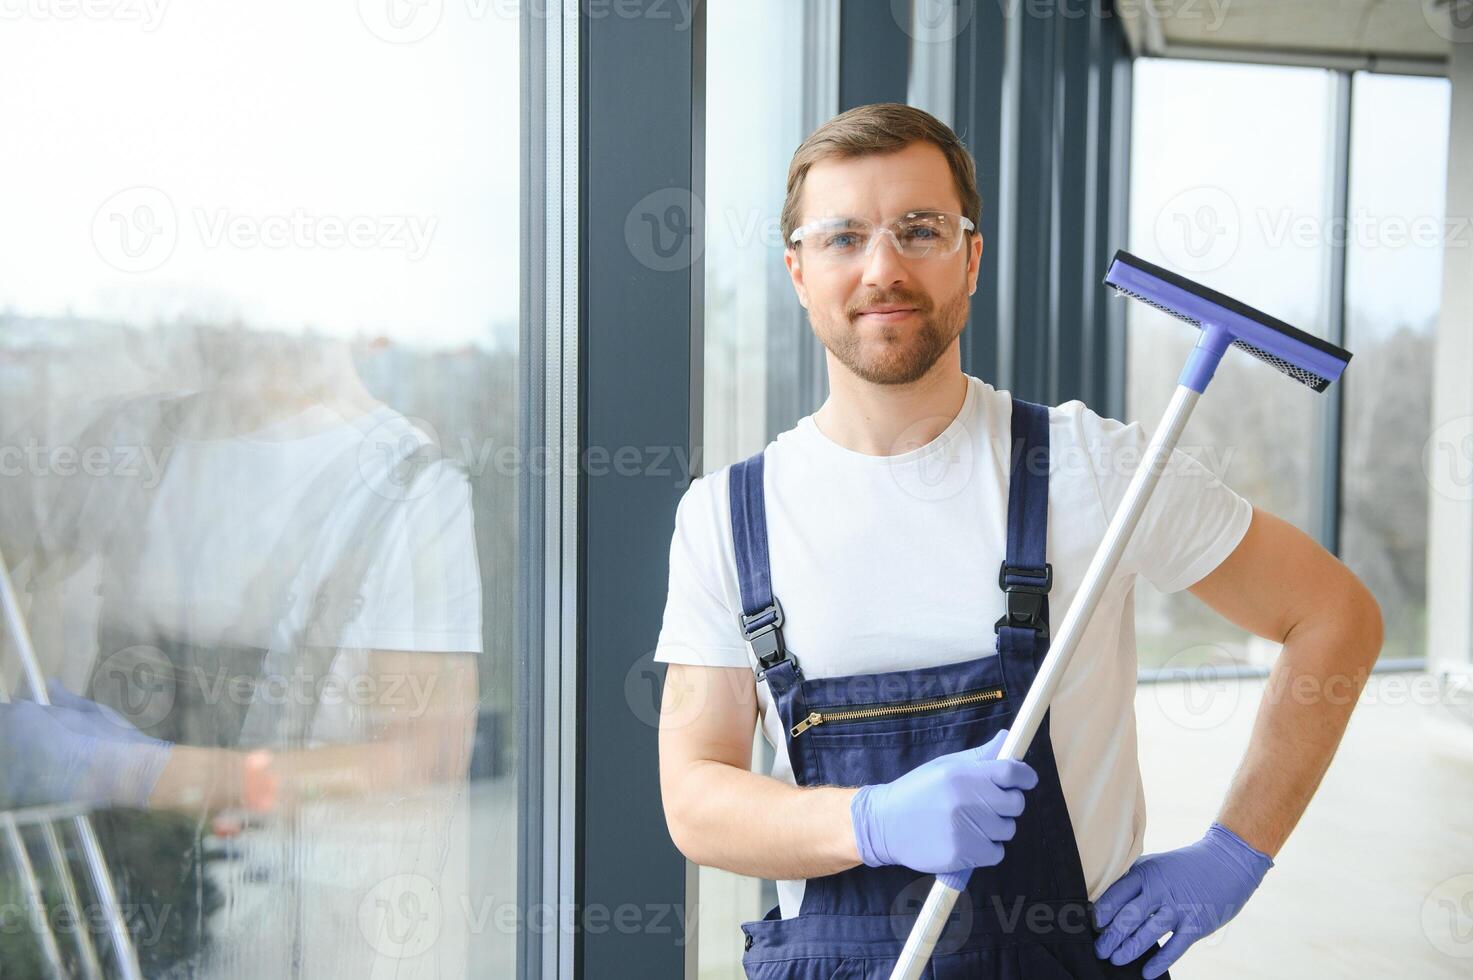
{"x":1377,"y":880}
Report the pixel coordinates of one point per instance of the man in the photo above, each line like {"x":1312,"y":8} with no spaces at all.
{"x":280,"y":702}
{"x":881,"y":521}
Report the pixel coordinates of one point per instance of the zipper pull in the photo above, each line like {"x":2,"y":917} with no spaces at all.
{"x":814,"y":718}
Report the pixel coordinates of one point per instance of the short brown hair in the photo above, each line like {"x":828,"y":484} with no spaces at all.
{"x":883,"y":127}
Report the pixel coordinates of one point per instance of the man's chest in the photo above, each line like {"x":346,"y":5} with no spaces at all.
{"x":871,"y":584}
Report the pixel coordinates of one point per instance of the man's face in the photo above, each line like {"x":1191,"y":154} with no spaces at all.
{"x":888,"y":349}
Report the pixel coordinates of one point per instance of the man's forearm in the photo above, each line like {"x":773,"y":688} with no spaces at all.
{"x":200,"y":780}
{"x":759,"y":826}
{"x":420,"y":739}
{"x":206,"y":780}
{"x":1312,"y":690}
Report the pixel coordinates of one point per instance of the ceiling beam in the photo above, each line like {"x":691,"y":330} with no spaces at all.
{"x":1391,"y":65}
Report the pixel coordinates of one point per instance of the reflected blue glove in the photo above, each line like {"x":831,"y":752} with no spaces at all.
{"x":950,"y":814}
{"x":1190,"y":892}
{"x":74,"y":751}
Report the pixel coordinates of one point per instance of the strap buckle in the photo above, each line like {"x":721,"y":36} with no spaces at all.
{"x":1025,"y":599}
{"x":767,"y":637}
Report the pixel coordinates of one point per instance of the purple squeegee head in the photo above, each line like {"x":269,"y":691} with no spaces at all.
{"x":1225,"y":323}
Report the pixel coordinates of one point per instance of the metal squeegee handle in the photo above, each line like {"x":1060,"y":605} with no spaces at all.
{"x":938,"y":905}
{"x":124,"y":954}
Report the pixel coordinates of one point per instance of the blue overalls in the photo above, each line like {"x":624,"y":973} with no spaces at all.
{"x":1027,"y":917}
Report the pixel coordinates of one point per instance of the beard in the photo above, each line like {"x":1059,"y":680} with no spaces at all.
{"x":895,"y":354}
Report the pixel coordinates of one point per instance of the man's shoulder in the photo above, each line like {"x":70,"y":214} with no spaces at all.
{"x":705,"y":505}
{"x":1084,"y":425}
{"x":702,"y":504}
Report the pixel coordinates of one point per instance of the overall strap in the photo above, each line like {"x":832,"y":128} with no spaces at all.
{"x":762,"y":614}
{"x":1025,"y":575}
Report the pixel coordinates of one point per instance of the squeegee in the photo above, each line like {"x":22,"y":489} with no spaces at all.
{"x":1223,"y":323}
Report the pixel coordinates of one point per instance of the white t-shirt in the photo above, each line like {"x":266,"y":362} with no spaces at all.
{"x":295,"y":504}
{"x":225,"y":509}
{"x":890,"y":562}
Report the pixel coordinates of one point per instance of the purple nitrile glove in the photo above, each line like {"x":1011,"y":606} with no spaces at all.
{"x":1190,"y":892}
{"x":950,"y":814}
{"x":74,"y":751}
{"x":62,"y":697}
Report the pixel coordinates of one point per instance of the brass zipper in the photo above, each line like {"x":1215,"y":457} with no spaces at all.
{"x":909,"y":708}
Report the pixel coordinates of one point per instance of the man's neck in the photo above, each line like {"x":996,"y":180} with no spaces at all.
{"x":886,"y":420}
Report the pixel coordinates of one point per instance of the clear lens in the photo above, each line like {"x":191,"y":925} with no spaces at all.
{"x":843,"y":242}
{"x":927,"y":233}
{"x":917,"y":235}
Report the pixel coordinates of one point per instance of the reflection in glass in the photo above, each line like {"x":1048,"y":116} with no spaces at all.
{"x":288,"y":567}
{"x":257,"y":387}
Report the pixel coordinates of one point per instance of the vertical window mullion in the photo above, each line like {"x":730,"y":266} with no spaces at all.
{"x":1330,"y":407}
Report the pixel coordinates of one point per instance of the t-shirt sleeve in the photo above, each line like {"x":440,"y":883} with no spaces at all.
{"x":1193,"y":520}
{"x":700,"y":624}
{"x":425,"y":581}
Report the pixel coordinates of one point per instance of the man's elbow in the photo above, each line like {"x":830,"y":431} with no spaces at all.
{"x":1369,"y":625}
{"x":675,"y":823}
{"x":1360,"y":614}
{"x":1353,"y":614}
{"x":681,"y":820}
{"x":682,"y":836}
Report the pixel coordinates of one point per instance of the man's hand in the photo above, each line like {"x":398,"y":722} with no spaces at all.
{"x":74,"y":751}
{"x":1190,"y":892}
{"x":953,"y":813}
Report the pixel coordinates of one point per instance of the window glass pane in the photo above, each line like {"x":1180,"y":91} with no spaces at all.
{"x":933,"y":28}
{"x":258,"y":334}
{"x":752,"y":127}
{"x":753,"y":323}
{"x":1230,"y":171}
{"x":1397,"y":232}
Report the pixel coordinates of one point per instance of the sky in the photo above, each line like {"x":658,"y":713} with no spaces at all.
{"x":294,"y":164}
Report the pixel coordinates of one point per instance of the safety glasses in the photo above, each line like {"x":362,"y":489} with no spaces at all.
{"x":915,"y":235}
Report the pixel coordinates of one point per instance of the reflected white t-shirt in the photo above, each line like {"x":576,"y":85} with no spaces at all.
{"x":228,"y":512}
{"x":890,"y":562}
{"x":309,"y":506}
